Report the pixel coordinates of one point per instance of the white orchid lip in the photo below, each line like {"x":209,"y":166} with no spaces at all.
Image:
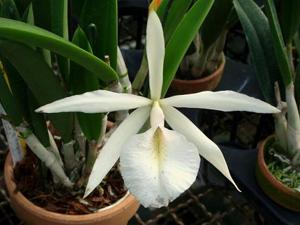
{"x":153,"y":163}
{"x":168,"y":165}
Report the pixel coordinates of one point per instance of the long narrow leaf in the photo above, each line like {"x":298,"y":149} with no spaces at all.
{"x":40,"y":79}
{"x":215,"y":22}
{"x":174,"y":16}
{"x":18,"y":87}
{"x":9,"y":102}
{"x":38,"y":37}
{"x":39,"y":15}
{"x":258,"y":35}
{"x":59,"y":26}
{"x":280,"y":50}
{"x":103,"y":14}
{"x":289,"y":17}
{"x":37,"y":121}
{"x":163,"y":9}
{"x":182,"y":38}
{"x":81,"y":82}
{"x":59,"y":18}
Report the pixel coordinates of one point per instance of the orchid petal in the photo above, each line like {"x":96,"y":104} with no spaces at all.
{"x":155,"y":48}
{"x":110,"y":153}
{"x":158,"y":165}
{"x":95,"y":102}
{"x":207,"y":148}
{"x":220,"y":100}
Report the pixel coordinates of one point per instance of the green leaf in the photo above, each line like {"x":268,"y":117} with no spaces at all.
{"x":82,"y":81}
{"x":9,"y":10}
{"x":59,"y":26}
{"x":215,"y":22}
{"x":41,"y":17}
{"x":182,"y":38}
{"x":163,"y":9}
{"x":175,"y":14}
{"x":104,"y":14}
{"x":37,"y":120}
{"x":289,"y":17}
{"x":40,"y":79}
{"x":31,"y":35}
{"x":59,"y":18}
{"x":18,"y":87}
{"x":9,"y":102}
{"x":258,"y":35}
{"x":280,"y":50}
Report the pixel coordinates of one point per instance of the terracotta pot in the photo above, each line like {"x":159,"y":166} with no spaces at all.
{"x":207,"y":83}
{"x":273,"y":188}
{"x":116,"y":214}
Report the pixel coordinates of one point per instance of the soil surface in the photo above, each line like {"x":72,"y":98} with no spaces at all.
{"x":31,"y":182}
{"x":281,"y":167}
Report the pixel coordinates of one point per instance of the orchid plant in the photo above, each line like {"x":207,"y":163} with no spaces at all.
{"x":159,"y":164}
{"x":269,"y":36}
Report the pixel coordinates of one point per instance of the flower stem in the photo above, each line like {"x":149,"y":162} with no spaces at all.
{"x":123,"y":73}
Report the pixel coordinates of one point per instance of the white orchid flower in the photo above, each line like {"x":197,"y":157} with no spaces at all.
{"x":160,"y":164}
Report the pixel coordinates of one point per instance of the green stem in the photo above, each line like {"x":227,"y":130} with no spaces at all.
{"x":93,"y":147}
{"x":69,"y":156}
{"x":91,"y":157}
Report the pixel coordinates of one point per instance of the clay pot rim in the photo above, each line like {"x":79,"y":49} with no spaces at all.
{"x":206,"y":78}
{"x":266,"y":172}
{"x":107,"y":212}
